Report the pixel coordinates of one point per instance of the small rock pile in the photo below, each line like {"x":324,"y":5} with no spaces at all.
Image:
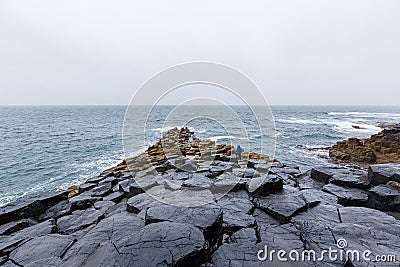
{"x":118,"y":218}
{"x":383,"y":147}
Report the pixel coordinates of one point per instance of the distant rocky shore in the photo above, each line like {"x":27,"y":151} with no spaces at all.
{"x":383,"y":147}
{"x":121,"y":218}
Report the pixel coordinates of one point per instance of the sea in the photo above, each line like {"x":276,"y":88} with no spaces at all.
{"x":47,"y":148}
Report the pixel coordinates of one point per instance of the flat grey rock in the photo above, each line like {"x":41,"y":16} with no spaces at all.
{"x":282,"y":206}
{"x":208,"y":218}
{"x":382,"y":173}
{"x":265,"y":185}
{"x":236,"y":213}
{"x":347,"y":196}
{"x":42,"y":249}
{"x":78,"y":220}
{"x":165,"y":244}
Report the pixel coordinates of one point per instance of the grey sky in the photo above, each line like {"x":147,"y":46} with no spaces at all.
{"x":298,"y":52}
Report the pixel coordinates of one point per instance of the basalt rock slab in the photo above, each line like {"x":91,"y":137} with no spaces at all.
{"x":15,"y":226}
{"x":197,"y":181}
{"x":140,"y":202}
{"x":239,"y":252}
{"x":86,"y":186}
{"x":41,"y":250}
{"x":60,"y":209}
{"x":265,"y":185}
{"x":347,"y":196}
{"x":373,"y":219}
{"x":227,"y":182}
{"x":165,"y":244}
{"x":101,"y":190}
{"x":282,"y":206}
{"x":78,"y":220}
{"x":208,"y":218}
{"x":115,"y":197}
{"x":383,"y":173}
{"x":361,"y":238}
{"x":322,"y":173}
{"x":100,"y":245}
{"x":384,"y":197}
{"x":30,"y":206}
{"x":236,"y":213}
{"x":82,"y":202}
{"x":350,"y":180}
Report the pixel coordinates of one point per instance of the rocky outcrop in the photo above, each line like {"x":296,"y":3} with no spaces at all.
{"x":125,"y":218}
{"x":383,"y":147}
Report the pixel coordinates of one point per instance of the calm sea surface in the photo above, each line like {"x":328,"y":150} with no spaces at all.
{"x":45,"y":148}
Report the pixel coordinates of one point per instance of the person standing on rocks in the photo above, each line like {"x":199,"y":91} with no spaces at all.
{"x":239,"y":151}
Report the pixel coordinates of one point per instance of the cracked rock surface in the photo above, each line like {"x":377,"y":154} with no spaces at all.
{"x":112,"y":221}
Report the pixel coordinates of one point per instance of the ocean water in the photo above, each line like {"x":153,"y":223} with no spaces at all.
{"x":45,"y":148}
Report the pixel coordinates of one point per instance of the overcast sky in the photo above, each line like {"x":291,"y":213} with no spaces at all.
{"x":298,"y":52}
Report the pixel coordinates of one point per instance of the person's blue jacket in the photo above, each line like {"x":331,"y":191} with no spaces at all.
{"x":239,"y":150}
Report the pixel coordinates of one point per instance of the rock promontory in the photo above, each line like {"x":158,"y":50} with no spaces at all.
{"x":383,"y":147}
{"x":149,"y":211}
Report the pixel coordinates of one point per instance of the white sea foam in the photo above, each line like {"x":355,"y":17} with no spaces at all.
{"x":300,"y":121}
{"x":378,"y":115}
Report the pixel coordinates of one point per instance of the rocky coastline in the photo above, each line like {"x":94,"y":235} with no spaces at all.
{"x":383,"y":147}
{"x":121,"y":218}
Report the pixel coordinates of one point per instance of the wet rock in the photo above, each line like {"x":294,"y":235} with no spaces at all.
{"x":314,"y":196}
{"x":362,"y":238}
{"x":227,"y":182}
{"x":103,"y":204}
{"x":322,"y":173}
{"x":116,"y":208}
{"x":15,"y":226}
{"x":239,"y":252}
{"x":100,"y":246}
{"x":134,"y":188}
{"x":86,"y":186}
{"x":101,"y":190}
{"x":246,"y":172}
{"x":236,"y":213}
{"x":373,"y":219}
{"x":304,"y":181}
{"x":347,"y":196}
{"x":60,"y":209}
{"x":277,"y":237}
{"x":165,"y":244}
{"x":82,"y":202}
{"x":281,"y":206}
{"x":250,"y":173}
{"x":350,"y":180}
{"x":197,"y":181}
{"x":30,"y":206}
{"x":115,"y":197}
{"x":265,"y":185}
{"x":149,"y":181}
{"x":42,"y":249}
{"x":123,"y":186}
{"x":252,"y":163}
{"x":95,"y":179}
{"x":78,"y":220}
{"x":323,"y":213}
{"x":208,"y":218}
{"x":109,"y":180}
{"x":264,"y":218}
{"x":382,"y":173}
{"x":139,"y":202}
{"x":221,"y":168}
{"x":384,"y":195}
